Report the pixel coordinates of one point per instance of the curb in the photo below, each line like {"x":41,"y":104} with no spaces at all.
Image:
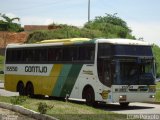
{"x":27,"y":112}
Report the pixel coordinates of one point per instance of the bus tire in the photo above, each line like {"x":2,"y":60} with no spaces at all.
{"x":88,"y":94}
{"x":124,"y":104}
{"x":29,"y":89}
{"x":20,"y":88}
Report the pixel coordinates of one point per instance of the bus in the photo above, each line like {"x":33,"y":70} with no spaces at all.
{"x":95,"y":70}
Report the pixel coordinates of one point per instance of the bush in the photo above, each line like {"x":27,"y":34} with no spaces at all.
{"x":156,"y":51}
{"x":18,"y":100}
{"x":43,"y":107}
{"x":62,"y":33}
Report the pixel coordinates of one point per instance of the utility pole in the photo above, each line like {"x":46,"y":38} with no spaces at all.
{"x":88,"y":10}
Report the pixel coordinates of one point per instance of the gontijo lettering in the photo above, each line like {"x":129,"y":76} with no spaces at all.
{"x":37,"y":69}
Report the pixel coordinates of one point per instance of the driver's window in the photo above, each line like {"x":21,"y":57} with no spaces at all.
{"x":104,"y":72}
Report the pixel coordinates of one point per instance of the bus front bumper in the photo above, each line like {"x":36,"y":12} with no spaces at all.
{"x":133,"y":97}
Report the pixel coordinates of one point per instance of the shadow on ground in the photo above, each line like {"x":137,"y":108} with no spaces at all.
{"x":115,"y":107}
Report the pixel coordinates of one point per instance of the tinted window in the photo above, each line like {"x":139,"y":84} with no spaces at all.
{"x":86,"y":53}
{"x":61,"y":54}
{"x":104,"y":50}
{"x":133,"y":50}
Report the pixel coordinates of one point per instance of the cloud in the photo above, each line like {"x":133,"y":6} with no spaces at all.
{"x":69,"y":21}
{"x":150,"y":31}
{"x":32,"y":20}
{"x":48,"y":21}
{"x":11,"y":15}
{"x":36,"y":20}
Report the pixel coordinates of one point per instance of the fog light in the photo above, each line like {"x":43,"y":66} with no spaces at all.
{"x":120,"y":96}
{"x":152,"y":96}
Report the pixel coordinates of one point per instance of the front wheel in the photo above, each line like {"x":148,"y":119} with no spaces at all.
{"x":89,"y":96}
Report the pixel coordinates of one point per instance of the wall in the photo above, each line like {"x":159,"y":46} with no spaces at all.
{"x":40,"y":27}
{"x":11,"y":37}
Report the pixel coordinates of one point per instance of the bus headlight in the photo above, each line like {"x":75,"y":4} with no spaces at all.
{"x":122,"y":98}
{"x":152,"y":96}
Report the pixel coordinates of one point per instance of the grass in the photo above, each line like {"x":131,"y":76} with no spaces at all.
{"x":158,"y":96}
{"x":1,"y":67}
{"x":1,"y":77}
{"x":158,"y":85}
{"x":158,"y":92}
{"x":1,"y":62}
{"x":68,"y":110}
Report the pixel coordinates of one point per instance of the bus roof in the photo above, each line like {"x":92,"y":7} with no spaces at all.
{"x":74,"y":41}
{"x":123,"y":41}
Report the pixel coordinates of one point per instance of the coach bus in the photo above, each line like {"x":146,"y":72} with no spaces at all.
{"x":96,"y":70}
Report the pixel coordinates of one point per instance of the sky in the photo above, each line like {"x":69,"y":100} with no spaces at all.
{"x":142,"y":16}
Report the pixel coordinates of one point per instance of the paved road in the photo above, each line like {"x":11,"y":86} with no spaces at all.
{"x":1,"y":85}
{"x":6,"y":93}
{"x":134,"y":108}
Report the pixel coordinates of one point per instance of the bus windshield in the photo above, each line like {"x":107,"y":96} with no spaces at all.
{"x":125,"y":65}
{"x":134,"y":72}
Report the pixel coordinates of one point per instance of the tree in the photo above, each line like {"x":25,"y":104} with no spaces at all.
{"x":111,"y":25}
{"x":9,"y":20}
{"x":7,"y":24}
{"x":156,"y":51}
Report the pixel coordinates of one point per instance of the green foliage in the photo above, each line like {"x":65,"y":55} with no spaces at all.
{"x":156,"y":52}
{"x":64,"y":32}
{"x":111,"y":25}
{"x":43,"y":107}
{"x":8,"y":25}
{"x":18,"y":100}
{"x":158,"y":85}
{"x":158,"y":92}
{"x":1,"y":62}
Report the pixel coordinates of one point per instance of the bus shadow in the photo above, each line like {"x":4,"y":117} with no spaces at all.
{"x":114,"y":107}
{"x":117,"y":107}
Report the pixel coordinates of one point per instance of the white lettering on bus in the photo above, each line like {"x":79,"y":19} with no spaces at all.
{"x":12,"y":68}
{"x":36,"y":69}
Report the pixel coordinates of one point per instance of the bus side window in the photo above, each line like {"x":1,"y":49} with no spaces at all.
{"x":86,"y":53}
{"x":59,"y":54}
{"x":51,"y":54}
{"x":30,"y":55}
{"x":26,"y":55}
{"x":43,"y":55}
{"x":67,"y":54}
{"x":74,"y":53}
{"x":10,"y":55}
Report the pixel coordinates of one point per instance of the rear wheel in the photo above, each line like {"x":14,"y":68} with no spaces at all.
{"x":89,"y":95}
{"x":125,"y":104}
{"x":20,"y":88}
{"x":30,"y":90}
